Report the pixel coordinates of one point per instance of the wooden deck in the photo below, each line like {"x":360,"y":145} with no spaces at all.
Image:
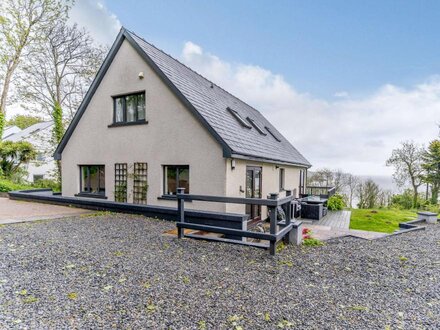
{"x":337,"y":224}
{"x":336,"y":219}
{"x":333,"y":219}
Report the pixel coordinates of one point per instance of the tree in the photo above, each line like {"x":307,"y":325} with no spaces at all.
{"x":368,"y":193}
{"x":407,"y":163}
{"x":15,"y":154}
{"x":431,"y":164}
{"x":339,"y":181}
{"x":321,"y":177}
{"x":56,"y":79}
{"x":59,"y":74}
{"x":24,"y":121}
{"x":351,"y":184}
{"x":22,"y":23}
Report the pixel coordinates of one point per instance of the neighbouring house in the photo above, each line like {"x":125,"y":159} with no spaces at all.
{"x":40,"y":134}
{"x":149,"y":124}
{"x":10,"y":130}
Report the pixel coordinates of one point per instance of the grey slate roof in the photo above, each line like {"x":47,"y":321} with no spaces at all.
{"x":209,"y":104}
{"x":212,"y":104}
{"x":29,"y":131}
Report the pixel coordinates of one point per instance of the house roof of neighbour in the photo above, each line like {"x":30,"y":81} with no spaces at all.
{"x":242,"y":131}
{"x":28,"y":131}
{"x":8,"y":131}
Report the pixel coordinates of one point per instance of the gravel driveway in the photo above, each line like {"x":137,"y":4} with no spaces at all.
{"x":119,"y":271}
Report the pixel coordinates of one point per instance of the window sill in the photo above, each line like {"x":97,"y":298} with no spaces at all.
{"x":171,"y":198}
{"x":91,"y":195}
{"x":130,"y":123}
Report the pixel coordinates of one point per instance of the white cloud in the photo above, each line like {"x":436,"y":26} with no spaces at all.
{"x":102,"y":24}
{"x":354,"y":134}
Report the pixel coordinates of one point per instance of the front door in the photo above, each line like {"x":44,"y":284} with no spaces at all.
{"x":253,"y":190}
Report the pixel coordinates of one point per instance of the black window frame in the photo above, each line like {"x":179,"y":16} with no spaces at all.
{"x":88,"y":193}
{"x":256,"y":126}
{"x":165,"y":190}
{"x":282,"y":179}
{"x":124,"y":122}
{"x":240,"y":119}
{"x":272,"y":133}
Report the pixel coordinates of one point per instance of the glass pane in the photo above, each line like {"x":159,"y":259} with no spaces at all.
{"x":249,"y":183}
{"x":119,"y":112}
{"x":130,"y":102}
{"x":94,"y":179}
{"x":257,"y":182}
{"x":101,"y":180}
{"x":141,"y":107}
{"x":84,"y":179}
{"x":170,"y":180}
{"x":184,"y":179}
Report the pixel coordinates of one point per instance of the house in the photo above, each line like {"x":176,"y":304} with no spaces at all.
{"x":150,"y":124}
{"x":39,"y":135}
{"x":9,"y":130}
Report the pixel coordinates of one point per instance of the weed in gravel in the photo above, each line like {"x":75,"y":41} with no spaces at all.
{"x":285,"y":263}
{"x":69,"y":266}
{"x":284,"y":324}
{"x":151,"y":308}
{"x":358,"y":308}
{"x":201,"y":325}
{"x":403,"y":258}
{"x":30,"y":299}
{"x":234,"y":319}
{"x":22,"y":292}
{"x":186,"y":280}
{"x":107,"y":288}
{"x":72,"y":295}
{"x":280,"y":247}
{"x":96,"y":214}
{"x":146,"y":285}
{"x":118,"y":253}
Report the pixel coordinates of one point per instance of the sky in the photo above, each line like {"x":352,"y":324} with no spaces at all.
{"x":344,"y":81}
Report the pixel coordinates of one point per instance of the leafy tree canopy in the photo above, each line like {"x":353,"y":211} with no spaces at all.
{"x":24,"y":121}
{"x":15,"y":154}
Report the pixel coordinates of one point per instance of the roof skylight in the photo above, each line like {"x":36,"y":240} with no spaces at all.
{"x":237,"y":116}
{"x":273,"y":134}
{"x":256,"y":126}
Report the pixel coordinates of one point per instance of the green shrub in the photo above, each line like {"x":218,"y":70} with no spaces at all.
{"x":312,"y":242}
{"x":47,"y":183}
{"x":336,"y":202}
{"x":6,"y":186}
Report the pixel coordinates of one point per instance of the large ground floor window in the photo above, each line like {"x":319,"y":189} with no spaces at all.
{"x":92,"y":179}
{"x":175,"y":176}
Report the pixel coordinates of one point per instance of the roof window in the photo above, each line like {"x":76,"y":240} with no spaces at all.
{"x":237,"y":116}
{"x":272,"y":133}
{"x":256,"y":126}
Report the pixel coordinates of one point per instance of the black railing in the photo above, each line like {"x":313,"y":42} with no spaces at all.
{"x":323,"y":192}
{"x":274,"y":236}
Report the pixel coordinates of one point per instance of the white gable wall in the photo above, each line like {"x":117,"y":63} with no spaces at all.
{"x":173,"y":136}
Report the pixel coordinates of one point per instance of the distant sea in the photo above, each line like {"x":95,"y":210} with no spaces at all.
{"x":385,"y":182}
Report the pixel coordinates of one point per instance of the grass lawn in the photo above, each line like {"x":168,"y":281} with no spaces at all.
{"x":381,"y":220}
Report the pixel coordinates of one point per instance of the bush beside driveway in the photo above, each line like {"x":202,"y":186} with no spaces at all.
{"x":115,"y":270}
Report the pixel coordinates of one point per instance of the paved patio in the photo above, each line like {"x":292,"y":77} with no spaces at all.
{"x":12,"y":211}
{"x":337,"y":224}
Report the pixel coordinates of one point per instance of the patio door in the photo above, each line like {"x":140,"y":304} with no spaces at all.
{"x":253,"y":190}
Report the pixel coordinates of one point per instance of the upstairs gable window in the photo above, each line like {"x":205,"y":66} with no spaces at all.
{"x":129,"y":108}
